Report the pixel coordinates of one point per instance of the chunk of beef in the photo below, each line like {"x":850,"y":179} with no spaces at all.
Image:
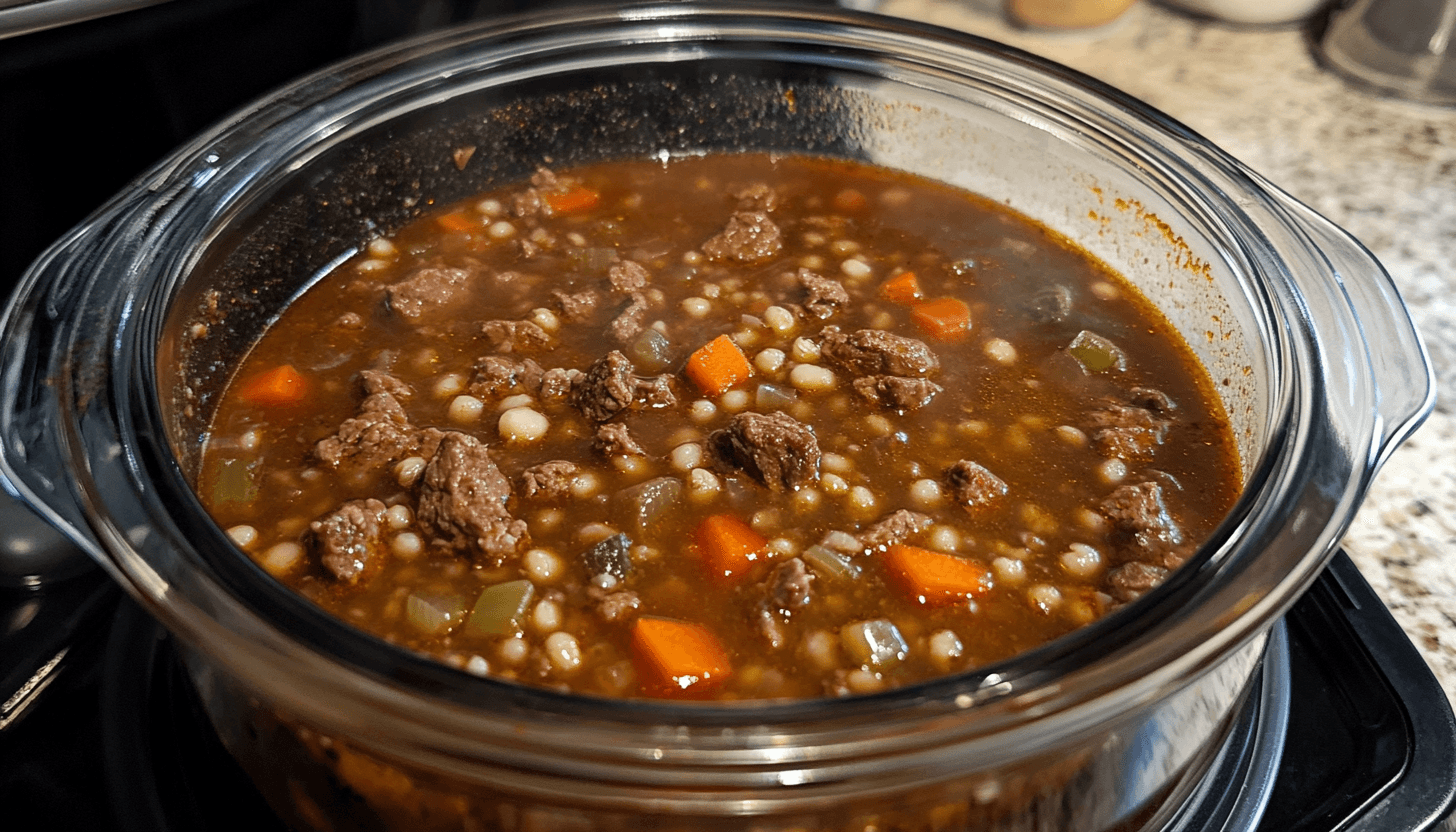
{"x":1129,"y":581}
{"x":1142,"y":525}
{"x":531,"y":202}
{"x":897,"y":392}
{"x":749,"y":237}
{"x":788,"y":588}
{"x":973,"y":486}
{"x":427,"y":293}
{"x":627,"y":277}
{"x":776,"y":449}
{"x":1127,"y":432}
{"x":869,"y":352}
{"x":609,"y":386}
{"x":628,"y":324}
{"x":378,"y":435}
{"x":496,"y":375}
{"x":463,"y":499}
{"x":756,"y":197}
{"x":1152,"y":400}
{"x":614,"y":439}
{"x":557,"y":383}
{"x":575,"y":307}
{"x":1049,"y":305}
{"x":375,"y":382}
{"x":515,"y":336}
{"x":350,"y":540}
{"x":895,"y":528}
{"x":613,"y":606}
{"x":549,"y":480}
{"x":823,"y":296}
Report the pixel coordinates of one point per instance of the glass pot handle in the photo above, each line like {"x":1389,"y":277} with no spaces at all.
{"x":51,"y":537}
{"x":1404,"y":379}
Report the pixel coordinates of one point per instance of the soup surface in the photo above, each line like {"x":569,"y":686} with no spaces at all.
{"x":730,"y":426}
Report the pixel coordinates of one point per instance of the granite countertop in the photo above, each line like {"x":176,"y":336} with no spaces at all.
{"x":1383,"y":169}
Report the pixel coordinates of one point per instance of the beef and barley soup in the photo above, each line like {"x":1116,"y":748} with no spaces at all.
{"x":735,"y":426}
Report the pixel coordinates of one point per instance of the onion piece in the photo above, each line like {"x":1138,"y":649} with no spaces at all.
{"x":434,"y":615}
{"x":875,"y":644}
{"x":830,"y":564}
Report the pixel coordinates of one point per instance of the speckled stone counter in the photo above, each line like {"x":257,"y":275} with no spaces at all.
{"x":1383,"y":169}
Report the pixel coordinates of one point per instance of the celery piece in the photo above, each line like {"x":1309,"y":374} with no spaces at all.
{"x":499,"y":607}
{"x":234,"y":483}
{"x":1097,"y":354}
{"x":830,"y":564}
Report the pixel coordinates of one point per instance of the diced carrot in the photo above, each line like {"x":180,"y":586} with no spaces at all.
{"x":678,"y":658}
{"x":718,"y":365}
{"x":728,"y":547}
{"x":932,"y":578}
{"x":946,"y":319}
{"x":850,"y":200}
{"x":459,"y":222}
{"x":902,"y":288}
{"x":580,"y":198}
{"x":279,"y":386}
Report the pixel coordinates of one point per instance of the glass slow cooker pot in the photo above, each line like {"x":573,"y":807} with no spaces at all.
{"x":121,"y":336}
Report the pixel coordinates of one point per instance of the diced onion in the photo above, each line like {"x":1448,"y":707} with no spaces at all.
{"x":875,"y":644}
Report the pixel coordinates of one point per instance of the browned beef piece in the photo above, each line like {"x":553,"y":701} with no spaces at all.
{"x":380,"y":434}
{"x":1150,"y":399}
{"x":789,"y":587}
{"x":869,"y":352}
{"x":529,"y":202}
{"x":613,"y":606}
{"x":628,"y":324}
{"x":463,"y":501}
{"x":496,"y":375}
{"x":609,"y":386}
{"x":750,"y":237}
{"x":1127,"y":432}
{"x":973,"y":486}
{"x":514,"y":336}
{"x":756,"y":197}
{"x":350,"y":540}
{"x":824,"y":296}
{"x":557,"y":383}
{"x":427,"y":293}
{"x":897,"y":392}
{"x":575,"y":307}
{"x":1051,"y":304}
{"x":1129,"y":581}
{"x":1142,"y":525}
{"x":614,"y":439}
{"x":374,"y":381}
{"x":627,"y":277}
{"x":776,"y":449}
{"x":549,"y":480}
{"x":895,"y":528}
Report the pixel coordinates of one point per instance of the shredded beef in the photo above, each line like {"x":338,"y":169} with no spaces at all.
{"x":557,"y":383}
{"x":463,"y":500}
{"x":496,"y":375}
{"x":1142,"y":525}
{"x":613,"y":606}
{"x":628,"y":324}
{"x":426,"y":292}
{"x":613,"y":439}
{"x":897,"y":392}
{"x":789,"y":587}
{"x":756,"y":197}
{"x":609,"y":386}
{"x":896,"y":528}
{"x":350,"y":540}
{"x":776,"y":449}
{"x":549,"y":480}
{"x":379,"y":434}
{"x":575,"y":307}
{"x":627,"y":277}
{"x":973,"y":486}
{"x":869,"y":352}
{"x":1127,"y":432}
{"x":824,"y":296}
{"x":1130,"y":580}
{"x":750,"y":237}
{"x":514,"y":336}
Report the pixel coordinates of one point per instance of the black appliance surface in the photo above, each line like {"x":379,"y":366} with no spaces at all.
{"x":1348,"y":730}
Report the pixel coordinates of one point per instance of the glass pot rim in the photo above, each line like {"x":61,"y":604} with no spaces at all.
{"x":124,"y":497}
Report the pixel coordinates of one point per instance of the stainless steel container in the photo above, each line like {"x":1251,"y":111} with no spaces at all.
{"x":122,"y":335}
